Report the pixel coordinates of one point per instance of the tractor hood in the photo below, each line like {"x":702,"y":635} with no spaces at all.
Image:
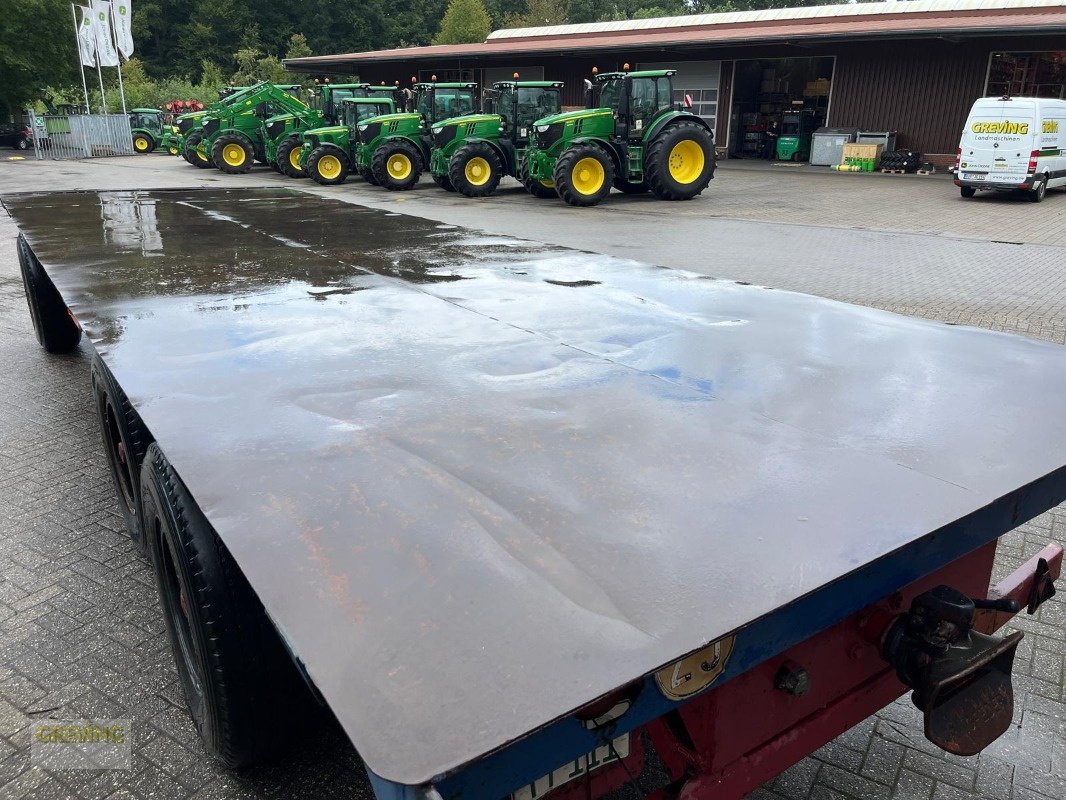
{"x":468,"y":118}
{"x":398,"y":117}
{"x":280,"y":118}
{"x":327,"y":131}
{"x":566,"y":116}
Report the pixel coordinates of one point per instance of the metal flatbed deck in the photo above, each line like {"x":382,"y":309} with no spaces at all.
{"x":478,"y":482}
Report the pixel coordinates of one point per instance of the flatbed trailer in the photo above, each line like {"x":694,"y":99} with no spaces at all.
{"x":533,"y":521}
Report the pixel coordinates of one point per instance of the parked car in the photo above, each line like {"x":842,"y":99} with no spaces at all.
{"x":16,"y":135}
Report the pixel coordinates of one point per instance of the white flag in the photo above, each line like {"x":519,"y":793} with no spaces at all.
{"x":123,"y":10}
{"x":87,"y":38}
{"x":105,"y":45}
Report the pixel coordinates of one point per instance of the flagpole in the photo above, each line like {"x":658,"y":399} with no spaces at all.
{"x":81,"y":66}
{"x":100,"y":75}
{"x":118,"y":54}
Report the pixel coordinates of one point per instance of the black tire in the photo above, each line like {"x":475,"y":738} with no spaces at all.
{"x":475,"y":170}
{"x":967,"y":191}
{"x":443,"y":182}
{"x":405,"y":162}
{"x":55,"y":327}
{"x":192,"y":155}
{"x":22,"y":144}
{"x":233,"y":154}
{"x":143,"y":143}
{"x":125,"y":442}
{"x":368,"y":176}
{"x":287,"y":151}
{"x":578,"y":181}
{"x":625,"y":187}
{"x":239,"y":680}
{"x":669,"y":182}
{"x":328,"y":166}
{"x":1038,"y":192}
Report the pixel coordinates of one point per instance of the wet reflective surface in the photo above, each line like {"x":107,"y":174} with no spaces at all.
{"x":478,"y":482}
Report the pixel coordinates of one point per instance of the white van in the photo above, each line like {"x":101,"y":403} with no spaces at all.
{"x":1012,"y":143}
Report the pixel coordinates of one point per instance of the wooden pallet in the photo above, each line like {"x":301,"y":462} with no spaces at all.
{"x":893,"y":172}
{"x":926,"y":172}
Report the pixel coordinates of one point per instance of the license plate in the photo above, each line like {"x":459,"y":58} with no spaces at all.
{"x":974,"y":176}
{"x":579,"y":767}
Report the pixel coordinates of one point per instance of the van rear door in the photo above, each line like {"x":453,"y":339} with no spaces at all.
{"x":997,"y":142}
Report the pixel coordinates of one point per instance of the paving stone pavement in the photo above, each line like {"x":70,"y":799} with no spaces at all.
{"x":81,"y":634}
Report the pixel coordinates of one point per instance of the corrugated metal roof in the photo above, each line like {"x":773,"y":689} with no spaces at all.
{"x":772,"y":15}
{"x":892,"y":21}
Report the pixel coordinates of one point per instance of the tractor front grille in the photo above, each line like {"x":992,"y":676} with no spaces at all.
{"x":210,"y":126}
{"x":368,"y":134}
{"x":546,"y":139}
{"x":185,"y":125}
{"x":447,"y":133}
{"x":275,"y":128}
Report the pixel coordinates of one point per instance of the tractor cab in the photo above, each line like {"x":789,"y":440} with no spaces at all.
{"x":636,"y":99}
{"x":521,"y":103}
{"x":439,"y":101}
{"x":357,"y":109}
{"x":147,"y":119}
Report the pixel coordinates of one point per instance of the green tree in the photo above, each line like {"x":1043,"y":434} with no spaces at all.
{"x":37,"y":50}
{"x":537,"y":13}
{"x":464,"y":21}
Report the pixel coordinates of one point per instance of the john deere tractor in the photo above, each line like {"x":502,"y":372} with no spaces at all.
{"x":284,"y":132}
{"x":327,"y":154}
{"x":235,"y":135}
{"x":146,"y":126}
{"x":190,"y":126}
{"x":633,"y":136}
{"x":394,"y":149}
{"x":471,"y":153}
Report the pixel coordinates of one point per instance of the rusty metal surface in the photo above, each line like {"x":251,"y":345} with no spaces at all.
{"x":478,"y":482}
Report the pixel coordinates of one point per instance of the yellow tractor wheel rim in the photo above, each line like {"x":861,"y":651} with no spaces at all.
{"x":140,"y":143}
{"x":547,"y":184}
{"x":233,"y":155}
{"x":294,"y":158}
{"x":199,"y":153}
{"x":173,"y":151}
{"x":329,"y":167}
{"x":399,"y":166}
{"x":686,"y":161}
{"x":588,"y":176}
{"x":477,"y":171}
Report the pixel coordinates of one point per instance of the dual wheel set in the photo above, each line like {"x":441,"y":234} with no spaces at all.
{"x":238,"y":677}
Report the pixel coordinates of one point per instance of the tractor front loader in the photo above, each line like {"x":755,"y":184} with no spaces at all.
{"x":633,"y":137}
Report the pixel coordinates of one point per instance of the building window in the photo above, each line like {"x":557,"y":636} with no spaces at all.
{"x":1027,"y":74}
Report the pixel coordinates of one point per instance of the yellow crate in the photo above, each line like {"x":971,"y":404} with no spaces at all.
{"x":862,"y":151}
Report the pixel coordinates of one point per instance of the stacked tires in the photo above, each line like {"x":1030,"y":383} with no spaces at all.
{"x":908,"y":161}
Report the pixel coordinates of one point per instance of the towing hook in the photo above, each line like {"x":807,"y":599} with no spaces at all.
{"x":961,"y":678}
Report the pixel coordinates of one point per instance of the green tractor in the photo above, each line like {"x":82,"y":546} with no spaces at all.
{"x":285,"y":131}
{"x":327,"y":154}
{"x":190,"y":126}
{"x":633,"y":137}
{"x":235,"y":136}
{"x":146,"y":126}
{"x":395,"y":148}
{"x":472,"y":153}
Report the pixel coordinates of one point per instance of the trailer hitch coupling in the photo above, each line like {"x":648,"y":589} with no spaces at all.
{"x":961,"y":678}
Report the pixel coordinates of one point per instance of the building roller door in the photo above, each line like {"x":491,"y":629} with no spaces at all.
{"x":699,"y":79}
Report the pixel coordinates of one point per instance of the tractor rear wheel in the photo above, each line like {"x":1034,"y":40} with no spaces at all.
{"x":327,"y":166}
{"x":142,"y":143}
{"x":625,"y":187}
{"x":233,"y":154}
{"x":193,"y":155}
{"x":583,"y":175}
{"x":475,"y":170}
{"x":679,"y":163}
{"x":289,"y":158}
{"x":397,"y":165}
{"x":443,"y":182}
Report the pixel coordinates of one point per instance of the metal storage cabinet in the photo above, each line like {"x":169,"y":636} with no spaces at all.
{"x":887,"y":138}
{"x":827,"y":145}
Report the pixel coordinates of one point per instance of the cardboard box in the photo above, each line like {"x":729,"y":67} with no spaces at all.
{"x":862,"y":151}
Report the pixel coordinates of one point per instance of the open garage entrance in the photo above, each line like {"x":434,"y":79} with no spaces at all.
{"x":778,"y":97}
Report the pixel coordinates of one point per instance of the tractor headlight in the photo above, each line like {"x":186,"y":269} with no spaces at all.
{"x":363,"y":127}
{"x":436,"y":130}
{"x":542,"y":128}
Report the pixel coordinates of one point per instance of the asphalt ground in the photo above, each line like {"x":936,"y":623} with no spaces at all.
{"x":80,"y":630}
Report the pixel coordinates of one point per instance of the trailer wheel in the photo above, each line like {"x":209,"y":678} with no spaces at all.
{"x":967,"y":191}
{"x":232,"y":154}
{"x":1038,"y":192}
{"x":680,"y":162}
{"x":397,"y":165}
{"x":55,"y":327}
{"x":125,"y":442}
{"x":142,"y":143}
{"x":193,"y":155}
{"x":327,"y":166}
{"x":625,"y":187}
{"x":475,"y":170}
{"x":443,"y":182}
{"x":289,"y":158}
{"x":583,"y":175}
{"x":239,"y":681}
